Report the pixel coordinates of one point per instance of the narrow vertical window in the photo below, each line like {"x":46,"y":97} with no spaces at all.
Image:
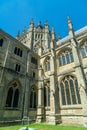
{"x":67,"y":58}
{"x":83,"y":52}
{"x":63,"y":94}
{"x":67,"y":93}
{"x":9,"y":97}
{"x":1,"y":42}
{"x":16,"y":98}
{"x":17,"y":68}
{"x":12,"y":97}
{"x":72,"y":91}
{"x":60,"y":61}
{"x":71,"y":57}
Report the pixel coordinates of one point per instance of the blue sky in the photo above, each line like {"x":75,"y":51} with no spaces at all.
{"x":16,"y":14}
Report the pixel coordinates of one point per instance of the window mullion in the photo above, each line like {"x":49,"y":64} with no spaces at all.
{"x":75,"y":91}
{"x":70,"y":92}
{"x":65,"y":92}
{"x":13,"y":98}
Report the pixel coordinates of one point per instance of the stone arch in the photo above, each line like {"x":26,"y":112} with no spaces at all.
{"x":73,"y":75}
{"x":69,"y":90}
{"x":63,"y":49}
{"x":13,"y":94}
{"x":65,"y":56}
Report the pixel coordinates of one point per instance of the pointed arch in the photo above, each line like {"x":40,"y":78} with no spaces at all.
{"x":83,"y":48}
{"x":65,"y":56}
{"x":69,"y":90}
{"x":13,"y":93}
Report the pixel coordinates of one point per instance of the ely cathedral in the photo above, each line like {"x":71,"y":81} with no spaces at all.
{"x":44,"y":78}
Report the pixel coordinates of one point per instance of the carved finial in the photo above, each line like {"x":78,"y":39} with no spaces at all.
{"x":46,"y":23}
{"x":18,"y":34}
{"x":59,"y":37}
{"x":53,"y":31}
{"x":32,"y":21}
{"x":39,"y":23}
{"x":24,"y":30}
{"x":70,"y":27}
{"x":53,"y":34}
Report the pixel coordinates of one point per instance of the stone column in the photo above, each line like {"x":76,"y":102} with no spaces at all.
{"x":79,"y":71}
{"x":40,"y":108}
{"x":81,"y":79}
{"x":26,"y":90}
{"x":53,"y":88}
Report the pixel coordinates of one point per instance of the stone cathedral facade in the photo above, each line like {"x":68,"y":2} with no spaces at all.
{"x":44,"y":78}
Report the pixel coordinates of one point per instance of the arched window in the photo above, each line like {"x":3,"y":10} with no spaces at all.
{"x":12,"y":96}
{"x":83,"y":49}
{"x":69,"y":91}
{"x":33,"y":98}
{"x":65,"y":57}
{"x":47,"y":64}
{"x":46,"y":96}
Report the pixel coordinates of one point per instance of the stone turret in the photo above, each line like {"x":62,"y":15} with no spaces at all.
{"x":70,"y":28}
{"x":31,"y":34}
{"x":53,"y":34}
{"x":47,"y":34}
{"x":18,"y":35}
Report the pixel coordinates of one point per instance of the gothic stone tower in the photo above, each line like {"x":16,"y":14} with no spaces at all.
{"x":42,"y":77}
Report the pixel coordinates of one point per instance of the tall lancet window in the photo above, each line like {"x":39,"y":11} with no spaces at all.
{"x":83,"y":49}
{"x":12,"y":96}
{"x":69,"y":91}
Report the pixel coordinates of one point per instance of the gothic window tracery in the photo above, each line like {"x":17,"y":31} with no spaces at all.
{"x":83,"y":49}
{"x":69,"y":91}
{"x":65,"y":57}
{"x":12,"y":96}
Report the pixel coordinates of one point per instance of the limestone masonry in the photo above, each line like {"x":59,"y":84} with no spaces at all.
{"x":44,"y":78}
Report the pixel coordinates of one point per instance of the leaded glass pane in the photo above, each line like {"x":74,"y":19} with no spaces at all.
{"x":9,"y":97}
{"x":86,"y":48}
{"x":72,"y":92}
{"x":48,"y":66}
{"x":71,"y":56}
{"x":67,"y":92}
{"x":60,"y":61}
{"x":63,"y":94}
{"x":48,"y":96}
{"x":64,"y":60}
{"x":83,"y":52}
{"x":67,"y":58}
